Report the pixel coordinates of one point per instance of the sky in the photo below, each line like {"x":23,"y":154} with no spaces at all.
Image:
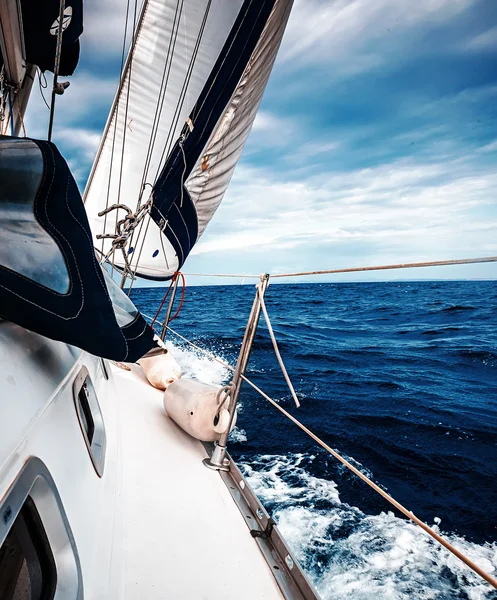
{"x":376,"y":141}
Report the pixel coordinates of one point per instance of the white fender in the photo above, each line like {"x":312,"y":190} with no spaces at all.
{"x":196,"y":408}
{"x":224,"y":421}
{"x":160,"y":370}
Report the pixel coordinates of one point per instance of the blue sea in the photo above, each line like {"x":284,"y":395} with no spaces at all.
{"x":399,"y":377}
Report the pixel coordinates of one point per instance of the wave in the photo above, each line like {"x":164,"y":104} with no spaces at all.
{"x":457,"y":307}
{"x":350,"y":554}
{"x":477,"y":355}
{"x":441,"y":331}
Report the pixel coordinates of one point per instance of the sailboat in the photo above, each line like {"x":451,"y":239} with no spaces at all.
{"x":103,"y":494}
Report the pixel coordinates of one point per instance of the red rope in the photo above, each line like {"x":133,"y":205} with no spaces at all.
{"x":183,"y":287}
{"x":164,"y":299}
{"x":167,"y":294}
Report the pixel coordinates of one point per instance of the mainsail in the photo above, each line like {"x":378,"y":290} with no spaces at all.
{"x":187,"y":101}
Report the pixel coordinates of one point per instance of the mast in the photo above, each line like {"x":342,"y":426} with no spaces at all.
{"x":15,"y":67}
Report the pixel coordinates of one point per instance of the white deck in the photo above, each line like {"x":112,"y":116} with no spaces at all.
{"x":185,"y":537}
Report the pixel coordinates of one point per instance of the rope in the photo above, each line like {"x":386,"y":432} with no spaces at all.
{"x":58,"y":51}
{"x":467,"y":561}
{"x":436,"y":263}
{"x":155,"y":125}
{"x":163,"y":89}
{"x":184,"y":171}
{"x":276,"y":349}
{"x":183,"y":92}
{"x":116,"y":116}
{"x":125,"y":124}
{"x":43,"y":87}
{"x":163,"y":301}
{"x":183,"y":288}
{"x":178,"y":310}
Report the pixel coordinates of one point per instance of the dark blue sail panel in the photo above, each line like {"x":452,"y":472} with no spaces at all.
{"x":50,"y":280}
{"x":40,"y":25}
{"x":173,"y":209}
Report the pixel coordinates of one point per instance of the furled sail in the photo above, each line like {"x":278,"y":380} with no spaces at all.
{"x":188,"y":97}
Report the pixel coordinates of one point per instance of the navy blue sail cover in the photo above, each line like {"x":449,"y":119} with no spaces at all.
{"x":173,"y":209}
{"x":50,"y":279}
{"x":40,"y":24}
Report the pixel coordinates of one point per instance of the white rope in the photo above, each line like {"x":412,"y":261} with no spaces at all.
{"x":275,"y":346}
{"x":436,"y":536}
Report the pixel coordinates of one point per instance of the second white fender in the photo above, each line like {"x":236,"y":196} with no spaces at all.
{"x":198,"y":409}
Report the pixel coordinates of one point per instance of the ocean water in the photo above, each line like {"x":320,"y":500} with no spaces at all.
{"x":399,"y":377}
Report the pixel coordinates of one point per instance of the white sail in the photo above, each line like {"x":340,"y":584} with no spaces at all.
{"x":212,"y":174}
{"x":177,"y":46}
{"x":164,"y":51}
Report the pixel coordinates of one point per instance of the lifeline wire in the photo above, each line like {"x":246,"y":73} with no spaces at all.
{"x":436,"y":263}
{"x":467,"y":561}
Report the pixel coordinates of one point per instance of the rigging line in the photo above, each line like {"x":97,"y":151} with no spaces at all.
{"x":164,"y":249}
{"x":275,"y":346}
{"x":163,"y":301}
{"x":43,"y":87}
{"x":436,"y":536}
{"x":58,"y":51}
{"x":139,"y":253}
{"x":159,"y":107}
{"x":116,"y":116}
{"x":130,"y":243}
{"x":183,"y":173}
{"x":183,"y":288}
{"x":133,"y":273}
{"x":125,"y":124}
{"x":437,"y":263}
{"x":163,"y":88}
{"x":182,"y":96}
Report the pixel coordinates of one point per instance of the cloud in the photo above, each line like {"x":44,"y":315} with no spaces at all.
{"x":375,"y":141}
{"x":358,"y":35}
{"x":104,"y":27}
{"x":486,"y":40}
{"x":396,"y":212}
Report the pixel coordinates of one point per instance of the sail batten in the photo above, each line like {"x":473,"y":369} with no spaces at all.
{"x":186,"y":105}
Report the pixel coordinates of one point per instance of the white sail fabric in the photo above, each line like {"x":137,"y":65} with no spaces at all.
{"x":212,"y":174}
{"x":176,"y":49}
{"x":169,"y":67}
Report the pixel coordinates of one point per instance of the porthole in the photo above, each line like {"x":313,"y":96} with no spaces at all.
{"x":38,"y":556}
{"x":90,"y":419}
{"x":27,"y":565}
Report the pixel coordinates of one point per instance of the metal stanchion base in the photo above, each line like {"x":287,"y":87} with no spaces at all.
{"x":217,"y":461}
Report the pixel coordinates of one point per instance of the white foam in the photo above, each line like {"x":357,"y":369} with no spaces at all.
{"x":198,"y":366}
{"x":349,"y":554}
{"x":238,"y":435}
